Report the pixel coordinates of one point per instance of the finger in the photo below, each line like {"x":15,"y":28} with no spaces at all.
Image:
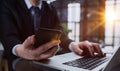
{"x":97,"y":49}
{"x":51,"y":52}
{"x":77,"y":50}
{"x":92,"y":51}
{"x":43,"y":48}
{"x":89,"y":50}
{"x":29,"y":41}
{"x":33,"y":39}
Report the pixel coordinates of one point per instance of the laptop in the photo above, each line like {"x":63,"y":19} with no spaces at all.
{"x":72,"y":62}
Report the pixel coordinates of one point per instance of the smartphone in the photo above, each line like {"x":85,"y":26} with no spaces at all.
{"x":44,"y":35}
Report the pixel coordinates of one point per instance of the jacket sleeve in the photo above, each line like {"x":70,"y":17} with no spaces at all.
{"x":8,"y":30}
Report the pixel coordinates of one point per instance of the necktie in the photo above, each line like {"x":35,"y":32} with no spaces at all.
{"x":35,"y":11}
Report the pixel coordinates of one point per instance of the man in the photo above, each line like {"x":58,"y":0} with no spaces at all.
{"x":18,"y":27}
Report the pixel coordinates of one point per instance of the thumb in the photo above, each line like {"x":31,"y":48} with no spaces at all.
{"x":29,"y":41}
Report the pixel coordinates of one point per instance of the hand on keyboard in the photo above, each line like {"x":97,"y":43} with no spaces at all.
{"x":87,"y":49}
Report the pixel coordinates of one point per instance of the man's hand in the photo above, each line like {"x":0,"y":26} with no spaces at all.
{"x":28,"y":51}
{"x":87,"y":48}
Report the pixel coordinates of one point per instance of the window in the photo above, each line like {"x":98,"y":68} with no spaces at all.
{"x":74,"y":21}
{"x":49,"y":1}
{"x":112,"y":26}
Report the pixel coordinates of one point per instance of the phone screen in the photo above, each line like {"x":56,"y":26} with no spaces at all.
{"x":44,"y":35}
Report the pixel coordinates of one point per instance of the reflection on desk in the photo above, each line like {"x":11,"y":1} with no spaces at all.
{"x":26,"y":65}
{"x":4,"y":65}
{"x":20,"y":64}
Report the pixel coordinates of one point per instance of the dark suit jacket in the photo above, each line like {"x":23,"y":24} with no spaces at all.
{"x":16,"y":24}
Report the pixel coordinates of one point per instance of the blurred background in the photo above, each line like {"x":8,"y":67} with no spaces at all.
{"x":93,"y":20}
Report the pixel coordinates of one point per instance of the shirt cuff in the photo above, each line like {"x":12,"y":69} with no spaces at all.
{"x":14,"y":49}
{"x":70,"y":46}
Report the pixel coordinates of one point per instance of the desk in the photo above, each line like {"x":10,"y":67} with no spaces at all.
{"x":3,"y":65}
{"x":19,"y":64}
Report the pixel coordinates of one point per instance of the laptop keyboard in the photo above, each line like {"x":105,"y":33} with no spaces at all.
{"x":87,"y":63}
